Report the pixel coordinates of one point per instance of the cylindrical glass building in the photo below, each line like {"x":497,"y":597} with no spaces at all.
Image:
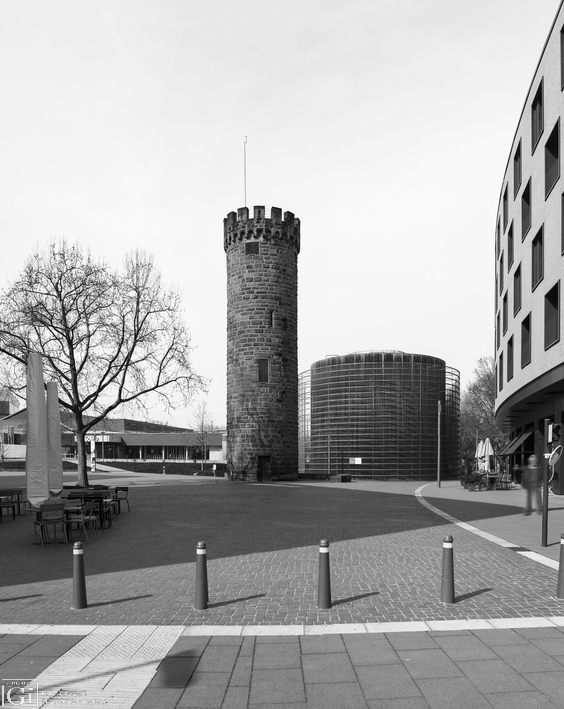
{"x":376,"y":415}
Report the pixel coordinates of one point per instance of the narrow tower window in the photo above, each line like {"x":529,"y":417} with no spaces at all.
{"x":262,"y":371}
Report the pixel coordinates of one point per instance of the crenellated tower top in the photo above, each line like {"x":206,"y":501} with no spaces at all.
{"x":239,"y":227}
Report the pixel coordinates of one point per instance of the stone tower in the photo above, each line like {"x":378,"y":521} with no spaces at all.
{"x":262,"y":344}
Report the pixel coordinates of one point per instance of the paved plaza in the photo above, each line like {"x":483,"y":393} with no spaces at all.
{"x":387,"y":641}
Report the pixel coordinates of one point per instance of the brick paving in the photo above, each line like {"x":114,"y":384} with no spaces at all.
{"x":140,"y":642}
{"x":262,"y":540}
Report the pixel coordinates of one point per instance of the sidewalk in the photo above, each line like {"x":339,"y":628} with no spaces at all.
{"x":392,"y":644}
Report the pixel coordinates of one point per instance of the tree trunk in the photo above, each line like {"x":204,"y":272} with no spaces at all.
{"x":82,"y":477}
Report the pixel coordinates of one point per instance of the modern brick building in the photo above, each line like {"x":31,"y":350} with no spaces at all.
{"x":529,"y":248}
{"x":262,"y":343}
{"x":376,"y":415}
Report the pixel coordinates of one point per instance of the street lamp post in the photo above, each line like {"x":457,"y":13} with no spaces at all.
{"x":439,"y":443}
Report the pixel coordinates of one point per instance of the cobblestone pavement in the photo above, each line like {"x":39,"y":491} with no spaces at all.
{"x":385,"y":552}
{"x":387,"y":642}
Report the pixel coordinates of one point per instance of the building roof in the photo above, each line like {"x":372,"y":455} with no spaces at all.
{"x":170,"y":439}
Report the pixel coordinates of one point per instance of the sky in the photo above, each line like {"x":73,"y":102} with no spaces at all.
{"x":383,"y":125}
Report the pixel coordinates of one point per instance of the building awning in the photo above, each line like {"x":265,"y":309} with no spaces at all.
{"x":156,"y":439}
{"x":512,"y":446}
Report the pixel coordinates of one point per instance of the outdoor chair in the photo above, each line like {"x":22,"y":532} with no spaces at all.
{"x":121,"y":496}
{"x":506,"y":481}
{"x":84,"y":517}
{"x":102,"y":506}
{"x":8,"y":501}
{"x":51,"y":514}
{"x":24,"y":505}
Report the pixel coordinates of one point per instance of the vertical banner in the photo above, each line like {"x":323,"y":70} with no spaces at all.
{"x":36,"y":457}
{"x":55,"y":473}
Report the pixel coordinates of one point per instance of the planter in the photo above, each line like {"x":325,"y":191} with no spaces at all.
{"x":472,"y":487}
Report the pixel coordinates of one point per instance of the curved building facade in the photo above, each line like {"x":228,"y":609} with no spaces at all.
{"x":377,"y":415}
{"x":529,"y":248}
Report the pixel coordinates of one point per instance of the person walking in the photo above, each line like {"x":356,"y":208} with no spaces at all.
{"x":531,"y":481}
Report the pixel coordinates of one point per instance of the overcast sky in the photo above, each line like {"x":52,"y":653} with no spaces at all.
{"x":384,"y":125}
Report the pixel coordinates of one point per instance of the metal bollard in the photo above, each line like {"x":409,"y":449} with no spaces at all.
{"x":78,"y":578}
{"x":447,"y":581}
{"x":324,"y":581}
{"x":560,"y":589}
{"x":164,"y":469}
{"x":201,"y":603}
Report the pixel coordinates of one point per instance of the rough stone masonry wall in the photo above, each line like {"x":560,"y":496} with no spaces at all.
{"x":262,"y":418}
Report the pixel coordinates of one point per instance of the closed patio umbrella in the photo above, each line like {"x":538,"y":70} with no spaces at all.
{"x":479,"y":454}
{"x":55,"y":468}
{"x":488,"y":453}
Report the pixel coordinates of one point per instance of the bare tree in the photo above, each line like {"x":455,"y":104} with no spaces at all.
{"x":108,"y":338}
{"x":477,"y":410}
{"x":203,"y":424}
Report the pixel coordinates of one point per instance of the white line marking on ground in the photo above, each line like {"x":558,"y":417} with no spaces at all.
{"x":534,"y":556}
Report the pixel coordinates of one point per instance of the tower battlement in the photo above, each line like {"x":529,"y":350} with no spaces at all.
{"x":239,"y":227}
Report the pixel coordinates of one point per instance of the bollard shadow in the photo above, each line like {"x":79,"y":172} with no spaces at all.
{"x":350,"y":599}
{"x":119,"y":600}
{"x":20,"y":598}
{"x":235,"y":600}
{"x":166,"y":522}
{"x":472,"y":594}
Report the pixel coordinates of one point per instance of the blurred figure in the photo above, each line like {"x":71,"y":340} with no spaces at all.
{"x":531,"y":481}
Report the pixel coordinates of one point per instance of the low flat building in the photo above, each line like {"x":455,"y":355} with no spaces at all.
{"x":123,"y":439}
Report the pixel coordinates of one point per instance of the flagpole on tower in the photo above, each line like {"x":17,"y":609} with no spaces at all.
{"x":245,"y":168}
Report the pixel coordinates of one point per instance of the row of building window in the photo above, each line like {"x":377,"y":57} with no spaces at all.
{"x":537,"y":275}
{"x":551,"y":168}
{"x":551,"y":334}
{"x":537,"y":254}
{"x":552,"y":297}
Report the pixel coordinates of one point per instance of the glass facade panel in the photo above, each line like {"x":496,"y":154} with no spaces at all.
{"x":375,"y":415}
